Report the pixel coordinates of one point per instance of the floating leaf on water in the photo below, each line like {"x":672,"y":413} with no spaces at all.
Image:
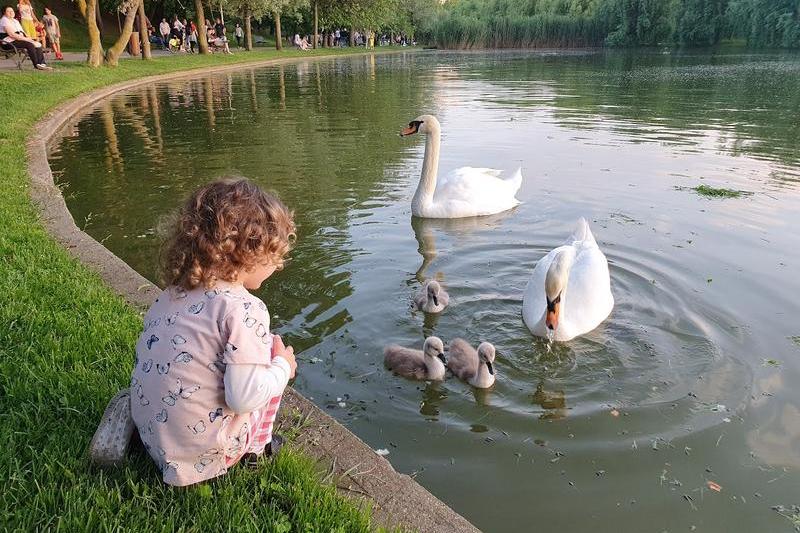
{"x":771,"y":362}
{"x":716,"y":487}
{"x":718,"y":192}
{"x":614,"y":412}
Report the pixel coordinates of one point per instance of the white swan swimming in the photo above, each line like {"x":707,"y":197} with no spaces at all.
{"x":464,"y":192}
{"x":569,"y":292}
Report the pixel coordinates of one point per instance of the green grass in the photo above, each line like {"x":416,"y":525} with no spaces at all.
{"x":714,"y":192}
{"x":67,"y":345}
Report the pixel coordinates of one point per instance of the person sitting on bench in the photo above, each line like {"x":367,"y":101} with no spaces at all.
{"x":11,"y":32}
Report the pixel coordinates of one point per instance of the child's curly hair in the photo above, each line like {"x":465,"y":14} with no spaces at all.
{"x":225,"y":228}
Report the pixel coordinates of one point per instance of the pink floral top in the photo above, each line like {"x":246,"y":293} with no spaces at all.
{"x":177,"y":391}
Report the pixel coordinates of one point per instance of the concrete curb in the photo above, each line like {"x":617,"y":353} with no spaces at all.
{"x":397,"y":499}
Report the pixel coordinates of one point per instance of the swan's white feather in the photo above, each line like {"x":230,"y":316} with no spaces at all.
{"x":470,"y":191}
{"x":587,"y":300}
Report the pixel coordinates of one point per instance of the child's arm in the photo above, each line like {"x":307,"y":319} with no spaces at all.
{"x":257,"y":364}
{"x":250,"y":387}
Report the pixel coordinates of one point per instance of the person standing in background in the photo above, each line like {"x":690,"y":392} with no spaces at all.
{"x":219,"y":30}
{"x":53,"y":30}
{"x":165,"y":31}
{"x":186,"y":32}
{"x":239,"y":34}
{"x":192,"y":36}
{"x":177,"y":31}
{"x":28,"y":19}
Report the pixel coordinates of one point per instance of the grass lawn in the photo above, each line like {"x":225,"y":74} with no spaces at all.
{"x":67,"y":345}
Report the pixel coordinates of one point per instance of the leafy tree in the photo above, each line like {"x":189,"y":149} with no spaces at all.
{"x":700,"y":22}
{"x":768,"y":23}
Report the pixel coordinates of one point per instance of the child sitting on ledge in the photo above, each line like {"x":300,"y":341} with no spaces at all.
{"x":209,"y":376}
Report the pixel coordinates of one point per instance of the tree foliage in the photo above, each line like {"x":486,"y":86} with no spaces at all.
{"x":512,"y":23}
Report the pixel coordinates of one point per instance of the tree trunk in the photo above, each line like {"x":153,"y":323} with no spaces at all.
{"x":278,"y":39}
{"x":248,"y":29}
{"x":352,"y":37}
{"x":316,"y":24}
{"x":202,"y":41}
{"x":144,"y":35}
{"x":94,"y":56}
{"x":99,"y":20}
{"x":113,"y":53}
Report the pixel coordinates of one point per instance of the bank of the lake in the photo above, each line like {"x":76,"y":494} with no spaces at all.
{"x":66,"y":345}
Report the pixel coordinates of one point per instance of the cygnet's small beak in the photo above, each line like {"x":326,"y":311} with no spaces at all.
{"x":442,"y":358}
{"x":435,"y":299}
{"x":489,"y":366}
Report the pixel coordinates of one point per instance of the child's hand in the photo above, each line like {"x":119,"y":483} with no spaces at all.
{"x":287,"y":352}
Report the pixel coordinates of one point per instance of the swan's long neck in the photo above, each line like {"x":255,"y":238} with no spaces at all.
{"x":436,"y":369}
{"x":556,"y":279}
{"x":483,"y":378}
{"x":430,"y":169}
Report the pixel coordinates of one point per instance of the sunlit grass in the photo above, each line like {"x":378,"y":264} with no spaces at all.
{"x":67,"y":345}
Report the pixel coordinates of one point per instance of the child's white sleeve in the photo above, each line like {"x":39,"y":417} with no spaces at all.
{"x":251,"y":379}
{"x":250,"y":386}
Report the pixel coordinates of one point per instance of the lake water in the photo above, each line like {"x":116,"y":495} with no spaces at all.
{"x":697,"y":358}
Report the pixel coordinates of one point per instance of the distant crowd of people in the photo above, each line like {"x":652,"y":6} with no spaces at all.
{"x":25,"y":31}
{"x":341,"y":38}
{"x":182,"y":35}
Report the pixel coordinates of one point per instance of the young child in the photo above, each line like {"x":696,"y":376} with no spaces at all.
{"x":209,"y":376}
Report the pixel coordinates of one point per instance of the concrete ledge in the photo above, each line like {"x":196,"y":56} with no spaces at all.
{"x":397,"y":499}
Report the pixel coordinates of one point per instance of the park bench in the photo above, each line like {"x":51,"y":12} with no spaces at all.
{"x":11,"y":51}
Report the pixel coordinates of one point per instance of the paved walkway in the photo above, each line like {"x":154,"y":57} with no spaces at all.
{"x":8,"y":64}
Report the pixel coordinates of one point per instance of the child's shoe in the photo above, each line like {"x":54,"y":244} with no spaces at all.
{"x":250,"y":460}
{"x":274,"y":447}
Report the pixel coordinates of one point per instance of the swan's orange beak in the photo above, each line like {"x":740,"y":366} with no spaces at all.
{"x":413,"y":127}
{"x":553,"y":313}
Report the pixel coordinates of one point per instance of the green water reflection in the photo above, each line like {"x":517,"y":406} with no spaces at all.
{"x":705,"y":289}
